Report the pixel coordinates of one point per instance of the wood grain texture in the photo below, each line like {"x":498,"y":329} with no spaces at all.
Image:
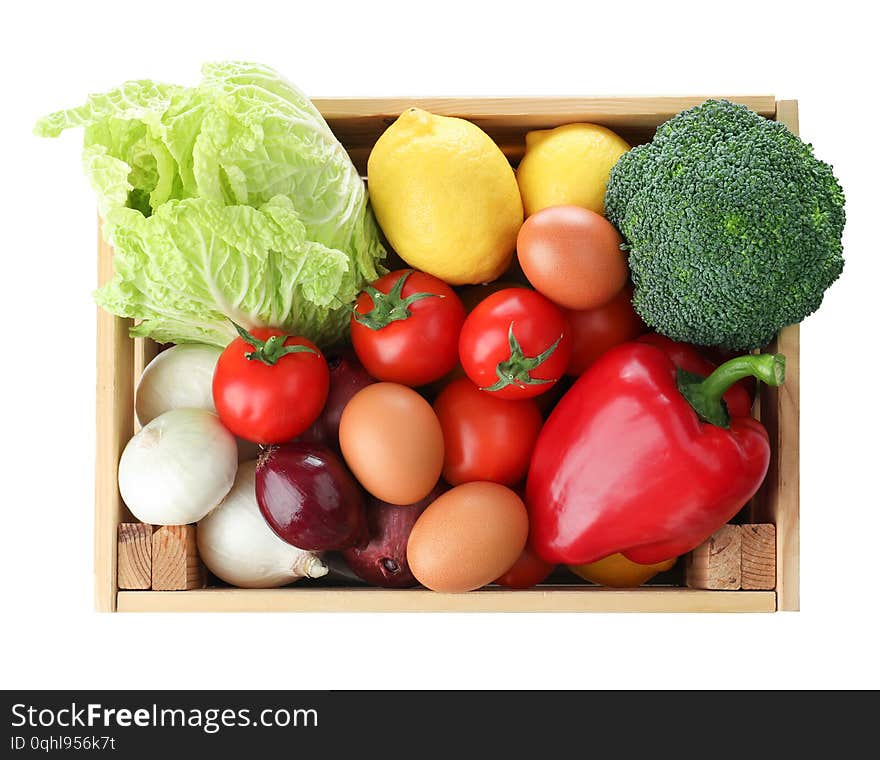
{"x":717,"y":562}
{"x":176,"y":563}
{"x":355,"y":120}
{"x":134,"y":566}
{"x":782,"y":507}
{"x":758,"y":556}
{"x":559,"y":599}
{"x":114,"y":412}
{"x":358,"y":122}
{"x":779,"y":502}
{"x":145,"y":350}
{"x":624,"y":109}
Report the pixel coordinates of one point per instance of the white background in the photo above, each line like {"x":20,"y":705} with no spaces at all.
{"x":55,"y":53}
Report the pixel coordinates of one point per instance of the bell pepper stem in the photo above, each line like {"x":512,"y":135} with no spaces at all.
{"x":705,"y":395}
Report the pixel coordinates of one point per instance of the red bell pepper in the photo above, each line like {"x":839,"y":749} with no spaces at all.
{"x":644,"y":459}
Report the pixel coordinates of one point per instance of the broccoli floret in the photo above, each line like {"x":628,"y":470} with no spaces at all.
{"x":733,"y":226}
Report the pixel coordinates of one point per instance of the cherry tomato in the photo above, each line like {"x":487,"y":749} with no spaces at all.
{"x":689,"y":358}
{"x":572,"y":255}
{"x":515,"y":344}
{"x":529,"y":570}
{"x":594,"y":331}
{"x":485,"y":437}
{"x":269,"y":387}
{"x":405,"y":328}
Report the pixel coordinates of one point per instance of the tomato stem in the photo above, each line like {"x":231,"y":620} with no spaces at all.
{"x":391,"y":306}
{"x":516,"y":370}
{"x":269,"y":351}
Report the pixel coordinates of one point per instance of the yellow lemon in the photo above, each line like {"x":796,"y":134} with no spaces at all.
{"x":568,"y":166}
{"x":619,"y":572}
{"x":445,"y":197}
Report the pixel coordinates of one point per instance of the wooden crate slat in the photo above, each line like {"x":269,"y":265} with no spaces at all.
{"x":358,"y":122}
{"x":114,"y":412}
{"x":779,"y":501}
{"x":145,"y":350}
{"x":560,"y":599}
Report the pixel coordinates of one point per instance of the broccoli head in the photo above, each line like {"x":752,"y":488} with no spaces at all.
{"x":733,"y":226}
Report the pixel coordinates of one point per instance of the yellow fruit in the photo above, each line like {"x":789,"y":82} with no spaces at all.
{"x":568,"y":166}
{"x":619,"y":572}
{"x":445,"y":197}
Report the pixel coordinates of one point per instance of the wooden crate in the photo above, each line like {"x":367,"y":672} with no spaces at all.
{"x":358,"y":123}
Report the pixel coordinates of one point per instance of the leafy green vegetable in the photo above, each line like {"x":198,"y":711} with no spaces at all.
{"x":228,"y":200}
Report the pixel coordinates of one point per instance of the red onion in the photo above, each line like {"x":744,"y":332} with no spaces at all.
{"x":309,"y":499}
{"x":347,"y":377}
{"x":382,"y":561}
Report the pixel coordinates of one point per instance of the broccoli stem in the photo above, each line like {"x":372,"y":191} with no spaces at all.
{"x":705,"y":395}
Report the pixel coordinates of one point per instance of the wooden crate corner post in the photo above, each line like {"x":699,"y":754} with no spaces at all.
{"x":134,"y":565}
{"x":176,"y":563}
{"x":758,"y":556}
{"x":716,"y":564}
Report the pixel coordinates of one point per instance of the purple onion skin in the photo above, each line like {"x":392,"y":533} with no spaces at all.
{"x":309,"y":498}
{"x":347,"y":377}
{"x":382,"y":561}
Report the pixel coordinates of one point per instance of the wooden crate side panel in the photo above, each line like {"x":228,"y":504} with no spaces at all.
{"x":358,"y":122}
{"x":145,"y":350}
{"x":114,"y":411}
{"x":779,"y":500}
{"x":560,"y":599}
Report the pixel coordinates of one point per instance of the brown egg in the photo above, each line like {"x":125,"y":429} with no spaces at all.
{"x":468,"y":537}
{"x":572,"y":255}
{"x":392,"y":442}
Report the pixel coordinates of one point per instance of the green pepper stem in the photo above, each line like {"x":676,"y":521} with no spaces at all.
{"x":705,"y":395}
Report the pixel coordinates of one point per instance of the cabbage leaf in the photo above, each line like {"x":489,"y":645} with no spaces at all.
{"x":231,"y":200}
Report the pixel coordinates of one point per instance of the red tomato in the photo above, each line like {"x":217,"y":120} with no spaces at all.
{"x":268,"y":387}
{"x":515,"y":344}
{"x":689,"y":358}
{"x":405,"y":328}
{"x":529,"y":570}
{"x":594,"y":331}
{"x":485,"y":437}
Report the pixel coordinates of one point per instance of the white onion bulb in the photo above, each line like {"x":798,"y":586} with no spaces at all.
{"x":178,"y":378}
{"x":178,"y":467}
{"x":239,"y":547}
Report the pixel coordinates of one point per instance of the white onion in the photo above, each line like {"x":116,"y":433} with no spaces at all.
{"x":238,"y":546}
{"x":178,"y":467}
{"x":178,"y":378}
{"x":182,"y":377}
